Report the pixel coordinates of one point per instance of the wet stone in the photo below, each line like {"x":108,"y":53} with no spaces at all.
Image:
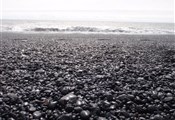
{"x":101,"y":118}
{"x":140,"y":78}
{"x":68,"y":98}
{"x":32,"y":109}
{"x":66,"y":89}
{"x":52,"y":104}
{"x":65,"y":117}
{"x":172,"y":85}
{"x":124,"y":113}
{"x":109,"y":96}
{"x":40,"y":71}
{"x":27,"y":76}
{"x":157,"y":117}
{"x":23,"y":114}
{"x":151,"y":108}
{"x":160,"y":95}
{"x":168,"y":99}
{"x":79,"y":102}
{"x":166,"y":106}
{"x":69,"y":108}
{"x":100,"y":76}
{"x":78,"y":109}
{"x":122,"y":97}
{"x":1,"y":100}
{"x":59,"y":81}
{"x":169,"y":95}
{"x":105,"y":105}
{"x":13,"y":97}
{"x":11,"y":118}
{"x":142,"y":118}
{"x":85,"y":114}
{"x":112,"y":107}
{"x":154,"y":94}
{"x":131,"y":97}
{"x":25,"y":103}
{"x":37,"y":114}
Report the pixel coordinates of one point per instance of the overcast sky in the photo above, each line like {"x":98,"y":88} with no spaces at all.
{"x":103,"y":10}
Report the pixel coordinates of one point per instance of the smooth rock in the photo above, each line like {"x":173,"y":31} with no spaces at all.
{"x":52,"y":104}
{"x":101,"y":118}
{"x":37,"y":114}
{"x":69,"y":108}
{"x":40,"y":71}
{"x":78,"y":109}
{"x":68,"y":98}
{"x":85,"y":114}
{"x":67,"y":89}
{"x":32,"y":109}
{"x":65,"y":117}
{"x":13,"y":97}
{"x":168,"y":99}
{"x":157,"y":117}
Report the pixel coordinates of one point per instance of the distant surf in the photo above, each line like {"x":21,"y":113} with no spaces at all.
{"x":86,"y":27}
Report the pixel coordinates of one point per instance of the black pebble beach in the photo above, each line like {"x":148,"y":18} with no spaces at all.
{"x":87,"y":77}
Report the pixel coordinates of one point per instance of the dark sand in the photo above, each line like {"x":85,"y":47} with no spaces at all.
{"x":79,"y":76}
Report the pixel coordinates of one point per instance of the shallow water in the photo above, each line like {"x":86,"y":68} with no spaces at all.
{"x":86,"y":27}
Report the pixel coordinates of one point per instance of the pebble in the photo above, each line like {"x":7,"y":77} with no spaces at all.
{"x":40,"y":71}
{"x":85,"y":114}
{"x":172,"y":85}
{"x":69,"y":97}
{"x":78,"y":109}
{"x":79,"y":102}
{"x":69,"y":108}
{"x":101,"y":118}
{"x":123,"y":113}
{"x":112,"y":107}
{"x":140,"y":78}
{"x":37,"y":114}
{"x":151,"y":108}
{"x":142,"y":118}
{"x":157,"y":117}
{"x":13,"y":97}
{"x":27,"y":76}
{"x":32,"y":109}
{"x":65,"y":90}
{"x":52,"y":104}
{"x":168,"y":99}
{"x":100,"y":76}
{"x":109,"y":96}
{"x":65,"y":117}
{"x":1,"y":101}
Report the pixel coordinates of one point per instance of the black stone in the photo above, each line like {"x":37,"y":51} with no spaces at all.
{"x":65,"y":117}
{"x":85,"y":114}
{"x":37,"y":114}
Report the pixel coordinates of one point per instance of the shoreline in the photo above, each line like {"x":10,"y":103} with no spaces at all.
{"x":88,"y":33}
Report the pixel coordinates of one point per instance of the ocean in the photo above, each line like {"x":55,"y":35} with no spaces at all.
{"x":104,"y":27}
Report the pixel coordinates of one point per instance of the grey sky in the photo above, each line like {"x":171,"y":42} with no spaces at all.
{"x":104,"y":10}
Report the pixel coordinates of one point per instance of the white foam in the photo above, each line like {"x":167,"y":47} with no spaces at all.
{"x":68,"y":27}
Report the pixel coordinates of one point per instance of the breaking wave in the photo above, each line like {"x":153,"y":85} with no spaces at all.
{"x":79,"y":29}
{"x":55,"y":28}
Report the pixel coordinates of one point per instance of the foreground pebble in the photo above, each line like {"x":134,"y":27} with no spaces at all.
{"x":85,"y":114}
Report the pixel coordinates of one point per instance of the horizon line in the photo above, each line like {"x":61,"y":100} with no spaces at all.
{"x":66,"y":20}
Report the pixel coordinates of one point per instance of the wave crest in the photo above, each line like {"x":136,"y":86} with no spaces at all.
{"x":82,"y":29}
{"x":77,"y":29}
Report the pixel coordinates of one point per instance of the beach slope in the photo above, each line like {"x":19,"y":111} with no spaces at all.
{"x":87,"y":76}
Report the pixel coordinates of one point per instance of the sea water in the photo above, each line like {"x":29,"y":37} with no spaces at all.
{"x":105,"y":27}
